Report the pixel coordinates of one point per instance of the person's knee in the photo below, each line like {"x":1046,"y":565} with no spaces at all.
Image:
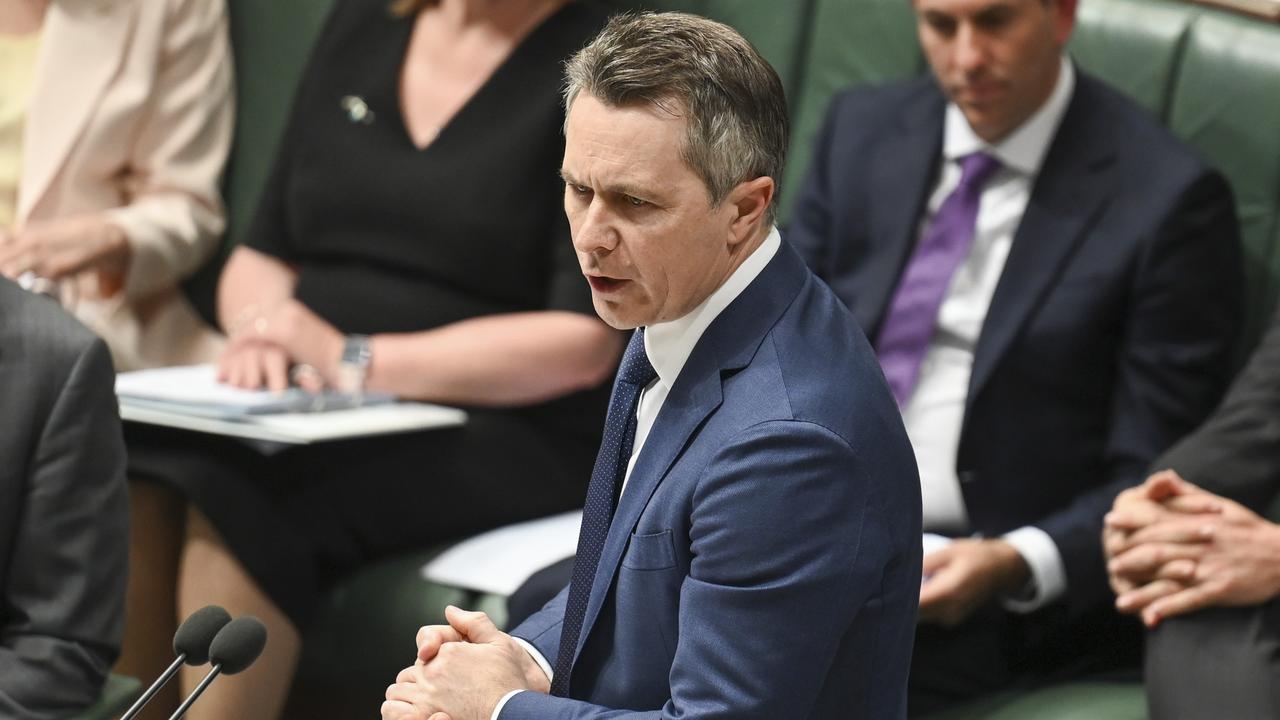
{"x":1220,"y":662}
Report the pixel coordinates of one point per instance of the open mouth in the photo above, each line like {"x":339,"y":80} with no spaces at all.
{"x":602,"y":284}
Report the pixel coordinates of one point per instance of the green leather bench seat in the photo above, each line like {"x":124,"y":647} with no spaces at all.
{"x":118,"y":694}
{"x":779,"y":30}
{"x":1226,"y":104}
{"x":851,"y":42}
{"x":1136,"y":45}
{"x":270,"y":43}
{"x":1069,"y":701}
{"x":363,"y":635}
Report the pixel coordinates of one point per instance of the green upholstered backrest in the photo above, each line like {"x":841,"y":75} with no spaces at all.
{"x":1136,"y":45}
{"x":270,"y":43}
{"x":851,"y":42}
{"x":118,"y":693}
{"x":362,"y":635}
{"x":778,"y":29}
{"x":1226,"y":104}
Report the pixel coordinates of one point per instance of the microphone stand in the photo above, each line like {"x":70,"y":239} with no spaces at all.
{"x":195,"y":694}
{"x":167,"y":675}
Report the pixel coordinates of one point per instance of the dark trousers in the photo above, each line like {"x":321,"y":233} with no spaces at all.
{"x":1217,"y":663}
{"x":997,"y":650}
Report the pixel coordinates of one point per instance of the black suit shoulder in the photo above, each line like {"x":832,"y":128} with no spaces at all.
{"x":36,"y":332}
{"x":874,"y":110}
{"x":1147,"y":151}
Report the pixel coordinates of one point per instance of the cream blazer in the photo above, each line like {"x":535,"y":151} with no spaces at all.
{"x":131,"y":114}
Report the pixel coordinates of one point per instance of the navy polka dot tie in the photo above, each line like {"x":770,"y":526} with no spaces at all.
{"x":602,"y":498}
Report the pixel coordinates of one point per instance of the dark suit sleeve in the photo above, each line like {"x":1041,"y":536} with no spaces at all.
{"x":542,"y":629}
{"x":63,"y":599}
{"x":1236,"y":452}
{"x":816,"y":210}
{"x":789,"y":539}
{"x":1174,"y":362}
{"x":810,"y":229}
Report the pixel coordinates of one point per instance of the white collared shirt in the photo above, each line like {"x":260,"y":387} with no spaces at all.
{"x":935,"y":411}
{"x":668,"y":346}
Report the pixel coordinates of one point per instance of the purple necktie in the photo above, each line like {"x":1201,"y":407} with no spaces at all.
{"x":913,"y":315}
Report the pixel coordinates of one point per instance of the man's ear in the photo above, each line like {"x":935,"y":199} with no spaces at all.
{"x":1064,"y":20}
{"x":748,"y":204}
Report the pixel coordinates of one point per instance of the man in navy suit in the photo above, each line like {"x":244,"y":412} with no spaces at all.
{"x":1052,"y":283}
{"x":763,"y":557}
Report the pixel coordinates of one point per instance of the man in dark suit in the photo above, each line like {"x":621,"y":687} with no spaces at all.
{"x":1051,"y":283}
{"x":1200,"y":566}
{"x":763,"y":557}
{"x":63,"y":511}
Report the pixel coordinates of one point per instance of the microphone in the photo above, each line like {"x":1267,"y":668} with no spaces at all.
{"x":233,"y":649}
{"x":191,"y":645}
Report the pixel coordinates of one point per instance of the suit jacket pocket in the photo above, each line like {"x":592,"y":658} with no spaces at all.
{"x":650,"y":552}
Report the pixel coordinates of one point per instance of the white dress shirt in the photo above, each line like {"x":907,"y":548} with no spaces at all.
{"x":668,"y":346}
{"x":935,"y":411}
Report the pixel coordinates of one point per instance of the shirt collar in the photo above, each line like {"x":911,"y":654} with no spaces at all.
{"x":1024,"y":148}
{"x":669,"y":344}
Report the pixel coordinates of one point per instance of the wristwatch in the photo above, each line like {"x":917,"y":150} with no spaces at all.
{"x":353,"y":367}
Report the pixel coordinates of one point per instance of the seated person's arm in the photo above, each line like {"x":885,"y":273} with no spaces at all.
{"x":1236,"y":452}
{"x":174,"y":216}
{"x":1173,"y":365}
{"x":505,"y":359}
{"x":508,"y":359}
{"x":62,"y":595}
{"x":1175,"y":549}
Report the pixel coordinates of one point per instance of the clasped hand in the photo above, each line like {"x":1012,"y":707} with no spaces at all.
{"x":462,"y":671}
{"x":965,"y":574}
{"x":266,"y":342}
{"x":1174,"y":548}
{"x":56,"y":249}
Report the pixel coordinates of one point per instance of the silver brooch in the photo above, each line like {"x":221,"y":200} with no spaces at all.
{"x":357,"y":109}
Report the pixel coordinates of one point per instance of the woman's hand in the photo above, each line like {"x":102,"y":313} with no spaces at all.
{"x":265,"y":344}
{"x":56,"y":249}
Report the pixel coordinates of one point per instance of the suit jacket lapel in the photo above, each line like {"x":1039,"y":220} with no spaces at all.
{"x":81,"y":50}
{"x":728,"y":345}
{"x":1072,"y":189}
{"x":900,"y":176}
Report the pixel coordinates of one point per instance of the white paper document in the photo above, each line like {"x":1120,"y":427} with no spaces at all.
{"x":191,"y":398}
{"x":308,"y":427}
{"x":195,"y":390}
{"x":500,"y":560}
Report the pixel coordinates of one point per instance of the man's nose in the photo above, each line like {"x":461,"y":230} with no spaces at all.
{"x":970,"y":51}
{"x":595,"y":230}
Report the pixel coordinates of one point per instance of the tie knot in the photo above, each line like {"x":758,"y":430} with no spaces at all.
{"x":976,"y":169}
{"x":635,"y":368}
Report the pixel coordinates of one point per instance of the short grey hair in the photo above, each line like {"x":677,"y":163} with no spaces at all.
{"x":732,"y":99}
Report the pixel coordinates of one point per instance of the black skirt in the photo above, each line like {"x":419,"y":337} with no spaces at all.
{"x":304,"y":516}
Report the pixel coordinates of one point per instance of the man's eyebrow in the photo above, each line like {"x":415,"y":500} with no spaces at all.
{"x":616,"y":189}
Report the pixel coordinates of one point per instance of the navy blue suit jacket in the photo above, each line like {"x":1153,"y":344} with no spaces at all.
{"x":1111,"y":329}
{"x":764,"y":561}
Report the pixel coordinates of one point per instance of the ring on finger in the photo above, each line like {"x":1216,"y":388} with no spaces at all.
{"x":303,"y":373}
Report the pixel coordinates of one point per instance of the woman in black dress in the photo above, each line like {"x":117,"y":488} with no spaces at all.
{"x":413,"y":223}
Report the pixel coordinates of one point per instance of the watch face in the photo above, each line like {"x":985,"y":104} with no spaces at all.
{"x":354,"y":364}
{"x":356,"y":350}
